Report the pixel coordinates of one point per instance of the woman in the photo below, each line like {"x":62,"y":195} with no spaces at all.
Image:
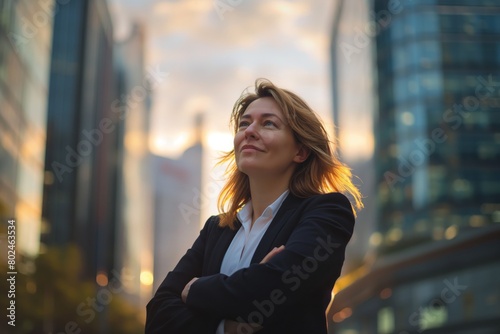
{"x":269,"y":263}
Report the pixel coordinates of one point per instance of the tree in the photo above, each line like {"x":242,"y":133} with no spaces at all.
{"x":51,"y":297}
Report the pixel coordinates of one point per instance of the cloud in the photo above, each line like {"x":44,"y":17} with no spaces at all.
{"x":211,"y":61}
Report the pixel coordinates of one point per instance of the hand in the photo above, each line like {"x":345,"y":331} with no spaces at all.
{"x":185,"y":291}
{"x":272,"y":253}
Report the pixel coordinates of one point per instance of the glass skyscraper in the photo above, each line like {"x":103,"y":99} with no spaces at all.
{"x":438,"y":127}
{"x":25,"y":44}
{"x":135,"y":231}
{"x":437,"y":163}
{"x":79,"y":200}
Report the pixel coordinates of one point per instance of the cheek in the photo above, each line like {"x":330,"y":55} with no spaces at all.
{"x":237,"y":140}
{"x":282,"y":142}
{"x":236,"y":143}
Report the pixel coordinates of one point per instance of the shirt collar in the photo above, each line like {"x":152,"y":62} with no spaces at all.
{"x":245,"y":214}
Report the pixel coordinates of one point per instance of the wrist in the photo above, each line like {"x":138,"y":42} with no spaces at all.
{"x":186,"y":289}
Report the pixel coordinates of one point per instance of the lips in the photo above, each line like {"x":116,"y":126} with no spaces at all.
{"x":251,"y":147}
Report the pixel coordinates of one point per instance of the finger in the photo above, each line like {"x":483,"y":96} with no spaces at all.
{"x":272,"y":253}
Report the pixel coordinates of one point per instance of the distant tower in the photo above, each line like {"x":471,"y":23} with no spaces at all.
{"x":199,"y":121}
{"x":178,"y":200}
{"x":354,"y":107}
{"x":134,"y":251}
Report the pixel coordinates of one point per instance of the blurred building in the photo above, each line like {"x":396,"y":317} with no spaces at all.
{"x":80,"y":163}
{"x":178,"y":201}
{"x":134,"y":234}
{"x":354,"y":107}
{"x":25,"y":44}
{"x":437,"y":152}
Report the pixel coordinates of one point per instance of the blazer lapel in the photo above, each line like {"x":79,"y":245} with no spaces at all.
{"x":220,"y":248}
{"x":266,"y":243}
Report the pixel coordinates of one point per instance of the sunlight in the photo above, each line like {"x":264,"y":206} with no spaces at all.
{"x":171,"y":146}
{"x":220,"y":141}
{"x":357,"y":145}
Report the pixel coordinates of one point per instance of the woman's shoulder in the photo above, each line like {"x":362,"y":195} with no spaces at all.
{"x":213,"y":231}
{"x":212,"y":221}
{"x":328,"y":202}
{"x":332,"y":198}
{"x":213,"y":224}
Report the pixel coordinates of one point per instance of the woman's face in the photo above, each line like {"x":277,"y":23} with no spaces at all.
{"x":264,"y":144}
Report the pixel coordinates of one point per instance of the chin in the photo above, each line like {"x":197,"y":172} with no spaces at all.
{"x":249,"y":169}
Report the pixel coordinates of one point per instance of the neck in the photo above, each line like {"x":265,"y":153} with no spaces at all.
{"x":264,"y":192}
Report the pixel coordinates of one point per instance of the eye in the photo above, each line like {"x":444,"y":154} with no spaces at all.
{"x":269,"y":123}
{"x":243,"y":124}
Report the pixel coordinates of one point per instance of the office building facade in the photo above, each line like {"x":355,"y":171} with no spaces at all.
{"x":353,"y":113}
{"x":134,"y":234}
{"x":80,"y":162}
{"x":436,"y":172}
{"x":25,"y":46}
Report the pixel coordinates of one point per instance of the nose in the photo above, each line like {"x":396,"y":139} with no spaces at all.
{"x":251,"y":131}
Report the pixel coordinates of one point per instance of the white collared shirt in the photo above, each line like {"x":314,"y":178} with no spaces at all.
{"x":245,"y":242}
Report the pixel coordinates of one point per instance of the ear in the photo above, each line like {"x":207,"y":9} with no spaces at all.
{"x":302,"y":154}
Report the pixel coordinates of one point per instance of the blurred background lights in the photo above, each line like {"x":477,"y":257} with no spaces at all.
{"x":376,"y":239}
{"x":407,"y":118}
{"x":101,"y":278}
{"x":496,"y":216}
{"x":146,"y":278}
{"x":451,"y":232}
{"x":342,"y":315}
{"x":385,"y":293}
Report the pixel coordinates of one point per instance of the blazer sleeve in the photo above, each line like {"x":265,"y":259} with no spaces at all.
{"x":309,"y":265}
{"x":166,"y":312}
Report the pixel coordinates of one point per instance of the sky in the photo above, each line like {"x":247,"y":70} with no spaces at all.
{"x":213,"y":50}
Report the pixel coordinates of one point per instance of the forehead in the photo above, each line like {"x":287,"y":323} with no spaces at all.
{"x":263,"y":105}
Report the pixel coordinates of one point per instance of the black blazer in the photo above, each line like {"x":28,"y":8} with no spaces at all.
{"x":288,"y":294}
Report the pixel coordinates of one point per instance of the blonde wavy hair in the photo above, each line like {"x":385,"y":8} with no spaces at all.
{"x":320,"y":173}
